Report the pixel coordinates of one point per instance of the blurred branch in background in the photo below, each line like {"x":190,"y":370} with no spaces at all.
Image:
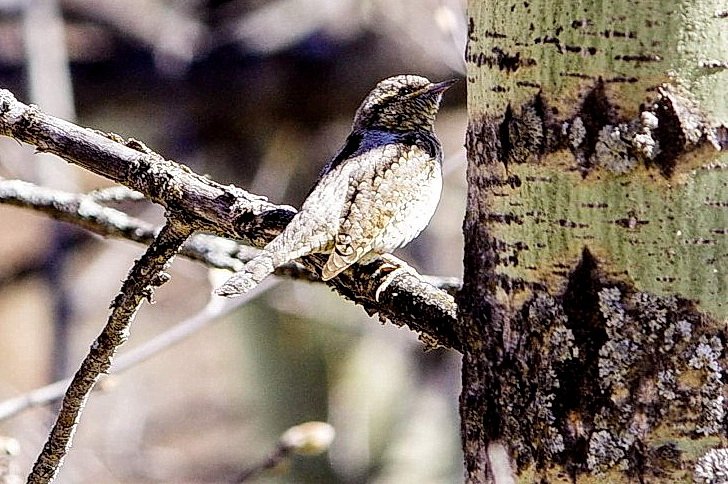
{"x":170,"y":31}
{"x":433,"y":29}
{"x":47,"y":60}
{"x":210,"y":313}
{"x":49,"y":79}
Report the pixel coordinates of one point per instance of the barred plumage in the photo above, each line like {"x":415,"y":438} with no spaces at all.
{"x":376,"y":195}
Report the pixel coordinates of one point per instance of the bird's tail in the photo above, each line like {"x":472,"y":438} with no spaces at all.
{"x":254,"y":271}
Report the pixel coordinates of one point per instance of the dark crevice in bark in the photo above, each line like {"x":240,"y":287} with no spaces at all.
{"x":522,"y":135}
{"x":504,"y":129}
{"x":721,"y":136}
{"x":669,"y":135}
{"x":543,"y":115}
{"x":596,"y":112}
{"x":581,"y":307}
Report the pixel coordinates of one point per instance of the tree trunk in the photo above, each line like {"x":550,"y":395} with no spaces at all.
{"x":594,"y":307}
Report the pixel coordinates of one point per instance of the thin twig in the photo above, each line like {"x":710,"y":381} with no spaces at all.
{"x":308,"y":438}
{"x":146,"y":274}
{"x":85,"y":211}
{"x":272,"y":460}
{"x":212,"y":312}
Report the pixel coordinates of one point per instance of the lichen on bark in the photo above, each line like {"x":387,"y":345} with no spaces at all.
{"x":593,"y":378}
{"x":597,"y":214}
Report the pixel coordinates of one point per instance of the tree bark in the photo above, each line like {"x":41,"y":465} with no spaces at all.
{"x":592,"y":315}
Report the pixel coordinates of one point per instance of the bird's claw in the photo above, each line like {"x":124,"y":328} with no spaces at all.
{"x":392,"y":267}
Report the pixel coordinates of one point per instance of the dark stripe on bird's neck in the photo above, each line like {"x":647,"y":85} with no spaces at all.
{"x":361,"y":141}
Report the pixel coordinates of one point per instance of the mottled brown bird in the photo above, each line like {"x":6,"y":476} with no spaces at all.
{"x":375,"y":195}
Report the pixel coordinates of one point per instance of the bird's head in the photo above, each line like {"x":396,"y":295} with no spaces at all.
{"x":401,"y":103}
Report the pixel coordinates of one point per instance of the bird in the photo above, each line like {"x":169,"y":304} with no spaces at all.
{"x":375,"y":195}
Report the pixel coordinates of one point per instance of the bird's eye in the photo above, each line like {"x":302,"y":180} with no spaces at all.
{"x":405,"y":90}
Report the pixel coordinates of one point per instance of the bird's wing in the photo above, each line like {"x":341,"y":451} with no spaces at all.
{"x":388,"y":182}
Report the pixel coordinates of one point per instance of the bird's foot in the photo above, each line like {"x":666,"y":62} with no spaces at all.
{"x":392,"y":267}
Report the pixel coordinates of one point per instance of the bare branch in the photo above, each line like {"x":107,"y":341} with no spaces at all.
{"x":147,"y":273}
{"x":273,"y":459}
{"x":84,"y":211}
{"x":228,"y":211}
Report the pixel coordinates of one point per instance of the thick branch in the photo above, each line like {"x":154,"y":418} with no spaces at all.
{"x":147,"y":273}
{"x":224,"y":210}
{"x":85,"y":211}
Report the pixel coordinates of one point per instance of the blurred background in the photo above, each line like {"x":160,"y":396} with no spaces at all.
{"x":259,"y":93}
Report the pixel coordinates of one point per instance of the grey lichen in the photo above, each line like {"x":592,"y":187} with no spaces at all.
{"x":676,"y":332}
{"x":576,"y":132}
{"x":706,"y":357}
{"x":622,"y":348}
{"x":712,"y":468}
{"x":612,"y":150}
{"x":645,"y":143}
{"x":605,"y":451}
{"x":685,"y":383}
{"x":532,"y":407}
{"x":560,"y":341}
{"x":706,"y":354}
{"x":666,"y":384}
{"x":621,"y":147}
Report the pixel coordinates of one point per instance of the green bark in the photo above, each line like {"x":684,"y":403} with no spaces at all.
{"x":664,"y":240}
{"x":665,"y":234}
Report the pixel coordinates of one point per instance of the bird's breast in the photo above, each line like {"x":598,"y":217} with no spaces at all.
{"x":408,"y":189}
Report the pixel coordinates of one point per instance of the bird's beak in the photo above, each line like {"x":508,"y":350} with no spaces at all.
{"x":441,"y":86}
